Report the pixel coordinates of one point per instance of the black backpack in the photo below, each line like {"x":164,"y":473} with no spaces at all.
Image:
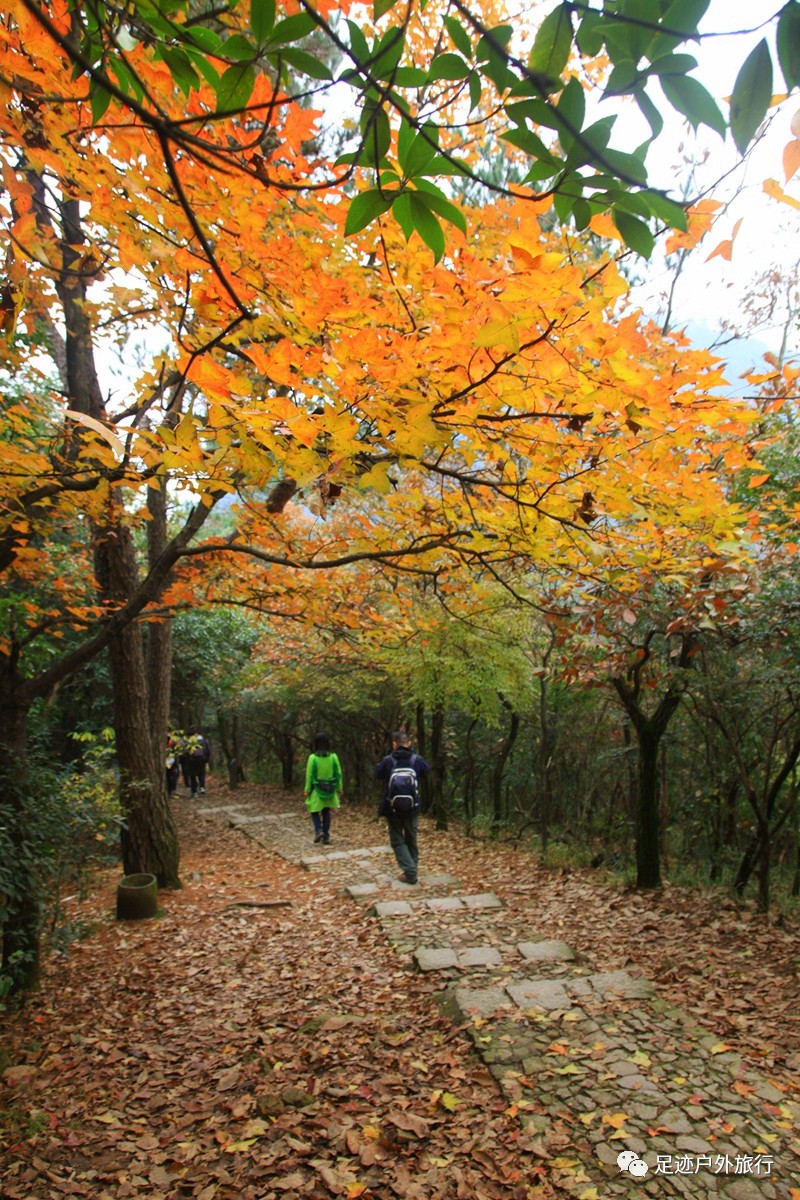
{"x":402,"y":792}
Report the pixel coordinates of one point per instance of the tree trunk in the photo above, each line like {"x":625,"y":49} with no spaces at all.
{"x":648,"y":822}
{"x":498,"y":770}
{"x":437,"y":763}
{"x":149,"y":837}
{"x":649,"y":732}
{"x":20,"y":928}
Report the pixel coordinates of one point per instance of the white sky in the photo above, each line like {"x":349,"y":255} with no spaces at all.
{"x":709,"y":292}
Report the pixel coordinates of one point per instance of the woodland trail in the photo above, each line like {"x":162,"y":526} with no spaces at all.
{"x":501,"y":1030}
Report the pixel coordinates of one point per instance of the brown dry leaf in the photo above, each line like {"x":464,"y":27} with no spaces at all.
{"x":410,"y":1123}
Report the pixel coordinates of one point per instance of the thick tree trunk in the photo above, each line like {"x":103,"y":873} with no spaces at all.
{"x":649,"y":732}
{"x":648,"y":818}
{"x":149,"y":838}
{"x":20,"y":929}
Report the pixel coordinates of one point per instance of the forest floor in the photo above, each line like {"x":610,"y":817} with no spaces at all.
{"x":265,"y":1037}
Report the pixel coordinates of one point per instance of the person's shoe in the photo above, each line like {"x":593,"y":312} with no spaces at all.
{"x":406,"y":878}
{"x":326,"y":840}
{"x":317,"y":839}
{"x":202,"y":791}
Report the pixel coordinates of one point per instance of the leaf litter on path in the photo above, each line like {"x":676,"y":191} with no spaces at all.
{"x":231,"y":1050}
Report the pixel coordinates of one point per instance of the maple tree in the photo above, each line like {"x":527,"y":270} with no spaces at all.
{"x":485,"y":408}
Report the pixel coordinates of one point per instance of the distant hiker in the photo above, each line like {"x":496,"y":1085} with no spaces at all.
{"x":323,"y":787}
{"x":401,"y":771}
{"x":198,"y":751}
{"x":182,"y":754}
{"x":172,"y":764}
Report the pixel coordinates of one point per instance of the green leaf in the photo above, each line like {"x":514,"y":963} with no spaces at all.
{"x":100,"y":99}
{"x":235,"y":88}
{"x":376,"y":131}
{"x":438,"y":202}
{"x":420,"y":152}
{"x":180,"y":69}
{"x":291,"y":29}
{"x":691,"y":98}
{"x":525,"y":139}
{"x":208,"y":40}
{"x":666,"y":210}
{"x":238,"y":49}
{"x":570,"y":111}
{"x":381,"y":7}
{"x":411,"y":77}
{"x":581,"y":214}
{"x":591,"y":35}
{"x":672,"y":64}
{"x":448,"y":66}
{"x":427,"y":226}
{"x":634,"y":233}
{"x":649,"y":111}
{"x":262,"y":18}
{"x":365,"y":208}
{"x":458,"y":33}
{"x":552,"y":45}
{"x":386,"y":54}
{"x":492,"y":41}
{"x":307,"y":64}
{"x":627,"y":167}
{"x":401,"y":211}
{"x":751,"y":95}
{"x":788,"y":42}
{"x":475,"y":89}
{"x":592,"y":143}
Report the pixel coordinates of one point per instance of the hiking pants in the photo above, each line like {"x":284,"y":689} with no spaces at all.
{"x":403,"y":840}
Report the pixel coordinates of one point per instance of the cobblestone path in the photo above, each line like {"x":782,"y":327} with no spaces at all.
{"x":572,"y":1048}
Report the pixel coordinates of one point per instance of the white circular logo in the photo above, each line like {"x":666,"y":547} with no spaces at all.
{"x":628,"y":1160}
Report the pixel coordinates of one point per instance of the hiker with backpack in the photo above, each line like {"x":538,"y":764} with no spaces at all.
{"x":198,"y":753}
{"x":401,"y":771}
{"x":323,"y":787}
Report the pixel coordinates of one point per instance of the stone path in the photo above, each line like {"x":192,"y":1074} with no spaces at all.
{"x":595,"y":1063}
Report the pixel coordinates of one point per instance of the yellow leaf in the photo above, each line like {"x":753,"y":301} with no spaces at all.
{"x":615,"y":1119}
{"x":791,"y":158}
{"x":502,"y":332}
{"x":641,"y":1059}
{"x":774,"y":189}
{"x":722,"y":1047}
{"x":98,"y":427}
{"x":754,"y":481}
{"x":587,"y":1118}
{"x":589,"y":1194}
{"x":236,"y":1147}
{"x":449,"y":1101}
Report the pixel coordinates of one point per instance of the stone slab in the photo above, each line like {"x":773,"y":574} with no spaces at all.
{"x":393,"y":908}
{"x":482,"y":900}
{"x":438,"y":880}
{"x":619,"y":983}
{"x":546,"y":951}
{"x":358,"y":891}
{"x":429,"y":959}
{"x":549,"y":994}
{"x":444,"y":903}
{"x":463,"y":1003}
{"x":480,"y":956}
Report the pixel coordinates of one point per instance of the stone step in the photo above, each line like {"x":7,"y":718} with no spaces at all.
{"x":443,"y":958}
{"x":335,"y":856}
{"x":367,"y":891}
{"x":458,"y":903}
{"x":546,"y":995}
